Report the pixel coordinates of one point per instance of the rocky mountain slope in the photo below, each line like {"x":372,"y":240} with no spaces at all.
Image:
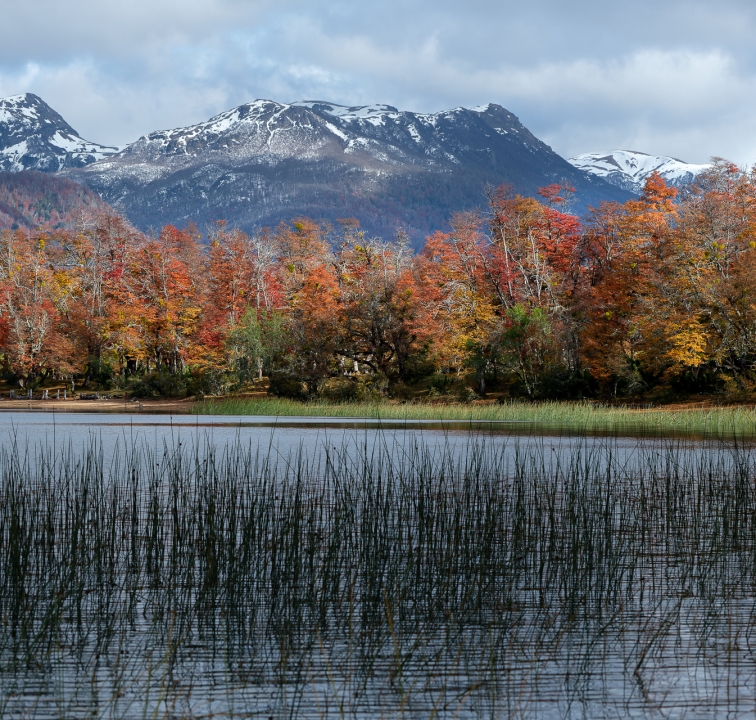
{"x":34,"y":137}
{"x":265,"y":161}
{"x":628,"y":169}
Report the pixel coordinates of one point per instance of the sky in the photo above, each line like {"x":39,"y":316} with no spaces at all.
{"x":662,"y":77}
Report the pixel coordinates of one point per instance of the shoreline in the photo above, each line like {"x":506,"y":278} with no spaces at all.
{"x":243,"y":404}
{"x":194,"y":406}
{"x":104,"y":405}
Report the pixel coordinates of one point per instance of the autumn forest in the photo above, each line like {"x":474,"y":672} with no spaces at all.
{"x":652,"y":298}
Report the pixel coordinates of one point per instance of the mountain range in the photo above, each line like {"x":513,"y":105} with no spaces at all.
{"x":264,"y":161}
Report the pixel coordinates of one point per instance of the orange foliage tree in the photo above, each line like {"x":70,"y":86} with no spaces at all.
{"x":37,"y":343}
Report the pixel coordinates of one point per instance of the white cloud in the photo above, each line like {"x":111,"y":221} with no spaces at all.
{"x":674,"y":78}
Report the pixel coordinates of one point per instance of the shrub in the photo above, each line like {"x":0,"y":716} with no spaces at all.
{"x":158,"y":384}
{"x":287,"y":386}
{"x":99,"y":373}
{"x":339,"y":388}
{"x":207,"y":382}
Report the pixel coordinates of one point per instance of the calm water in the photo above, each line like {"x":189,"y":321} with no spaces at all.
{"x":286,"y":438}
{"x":403,"y":569}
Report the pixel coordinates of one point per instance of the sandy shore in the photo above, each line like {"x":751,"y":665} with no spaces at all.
{"x":102,"y":405}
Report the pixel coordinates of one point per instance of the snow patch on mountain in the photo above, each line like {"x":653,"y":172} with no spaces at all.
{"x":629,"y":169}
{"x":353,"y":112}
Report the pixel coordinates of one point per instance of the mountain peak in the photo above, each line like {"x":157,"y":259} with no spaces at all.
{"x":35,"y":137}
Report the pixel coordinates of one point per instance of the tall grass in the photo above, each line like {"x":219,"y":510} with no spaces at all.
{"x":492,"y":580}
{"x":580,"y":416}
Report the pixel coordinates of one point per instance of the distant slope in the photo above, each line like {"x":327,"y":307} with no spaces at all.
{"x":265,"y":161}
{"x":30,"y":199}
{"x":629,"y":169}
{"x":34,"y":137}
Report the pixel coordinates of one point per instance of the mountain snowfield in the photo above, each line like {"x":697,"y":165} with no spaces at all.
{"x":34,"y":137}
{"x":629,"y":169}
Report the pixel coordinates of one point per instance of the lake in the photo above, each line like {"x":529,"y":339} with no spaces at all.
{"x":158,"y":566}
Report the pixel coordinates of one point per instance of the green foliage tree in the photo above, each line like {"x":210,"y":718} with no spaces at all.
{"x":525,"y":345}
{"x":256,"y":343}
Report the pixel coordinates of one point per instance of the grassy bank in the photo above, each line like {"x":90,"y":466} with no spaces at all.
{"x":583,"y":416}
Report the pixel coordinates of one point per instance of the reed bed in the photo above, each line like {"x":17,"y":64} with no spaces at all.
{"x":580,"y":416}
{"x":489,"y":580}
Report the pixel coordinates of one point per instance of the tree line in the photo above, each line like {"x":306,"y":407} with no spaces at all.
{"x":656,"y":295}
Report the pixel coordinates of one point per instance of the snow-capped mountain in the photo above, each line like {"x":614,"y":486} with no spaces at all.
{"x":34,"y":137}
{"x":629,"y":170}
{"x":264,"y":161}
{"x":270,"y":133}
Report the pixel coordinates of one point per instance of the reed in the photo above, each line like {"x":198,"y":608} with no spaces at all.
{"x":722,"y":421}
{"x":491,"y":579}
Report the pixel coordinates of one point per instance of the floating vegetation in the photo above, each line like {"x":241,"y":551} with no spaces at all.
{"x":493,"y":580}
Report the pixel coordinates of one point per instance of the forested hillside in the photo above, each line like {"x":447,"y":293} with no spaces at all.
{"x":651,"y":297}
{"x":33,"y":199}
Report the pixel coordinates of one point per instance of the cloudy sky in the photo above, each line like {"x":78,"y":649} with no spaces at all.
{"x":660,"y":76}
